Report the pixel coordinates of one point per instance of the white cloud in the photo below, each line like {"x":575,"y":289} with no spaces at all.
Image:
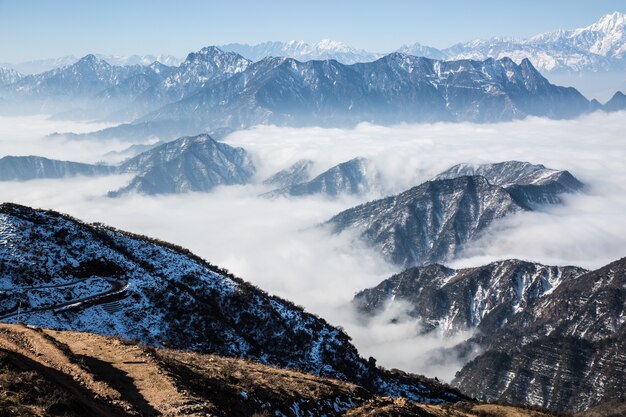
{"x":275,"y":245}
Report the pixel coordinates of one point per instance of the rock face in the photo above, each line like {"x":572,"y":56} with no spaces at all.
{"x":196,"y":163}
{"x":355,"y":176}
{"x":298,"y":173}
{"x":431,"y":222}
{"x":529,"y":184}
{"x":563,"y":351}
{"x":483,"y":298}
{"x":71,"y":275}
{"x":22,"y":168}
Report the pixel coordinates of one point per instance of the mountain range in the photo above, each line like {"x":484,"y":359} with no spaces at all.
{"x":213,"y":91}
{"x":597,"y":47}
{"x":61,"y":273}
{"x":432,"y":222}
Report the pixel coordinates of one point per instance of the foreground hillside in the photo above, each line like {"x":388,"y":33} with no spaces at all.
{"x":52,"y":373}
{"x":58,"y":272}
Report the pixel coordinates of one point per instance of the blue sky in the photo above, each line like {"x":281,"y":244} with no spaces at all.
{"x":32,"y":29}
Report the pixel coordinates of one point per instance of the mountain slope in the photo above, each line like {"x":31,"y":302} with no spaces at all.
{"x":22,"y":168}
{"x":196,"y":163}
{"x":565,"y":351}
{"x":428,"y":223}
{"x":71,"y":275}
{"x":483,"y":298}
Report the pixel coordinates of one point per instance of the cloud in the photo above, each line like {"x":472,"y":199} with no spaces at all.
{"x":275,"y":244}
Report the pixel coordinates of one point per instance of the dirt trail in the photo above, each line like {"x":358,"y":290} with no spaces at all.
{"x":132,"y":371}
{"x":36,"y":346}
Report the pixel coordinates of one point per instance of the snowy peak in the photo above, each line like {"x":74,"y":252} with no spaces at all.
{"x":607,"y":24}
{"x":529,"y":184}
{"x":302,"y":51}
{"x":194,"y":163}
{"x":356,"y":176}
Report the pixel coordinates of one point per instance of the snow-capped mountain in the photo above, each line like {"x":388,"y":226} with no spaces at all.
{"x":428,"y":223}
{"x":196,"y":163}
{"x":356,"y":176}
{"x":529,"y":184}
{"x":597,"y":47}
{"x":209,"y":64}
{"x":600,"y":46}
{"x":565,"y":350}
{"x":9,"y":76}
{"x":302,"y":51}
{"x":70,"y":275}
{"x":450,"y":301}
{"x":22,"y":168}
{"x":145,"y":60}
{"x":84,"y":78}
{"x":297,"y":173}
{"x":433,"y":222}
{"x":44,"y":65}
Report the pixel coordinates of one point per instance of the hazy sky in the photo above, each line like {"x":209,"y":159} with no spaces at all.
{"x":32,"y":29}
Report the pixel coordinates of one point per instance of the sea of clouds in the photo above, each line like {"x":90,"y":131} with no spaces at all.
{"x":277,"y":244}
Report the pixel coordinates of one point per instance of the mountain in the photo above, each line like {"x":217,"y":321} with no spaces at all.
{"x":428,"y":223}
{"x":84,"y":78}
{"x":356,"y":176}
{"x":528,"y":183}
{"x":564,"y":351}
{"x":199,"y":68}
{"x":9,"y":76}
{"x":396,"y":88}
{"x":144,"y":60}
{"x":22,"y":168}
{"x":483,"y":298}
{"x":60,"y":273}
{"x":196,"y":163}
{"x":616,"y":103}
{"x":299,"y":172}
{"x":302,"y":51}
{"x":598,"y":47}
{"x":433,"y":222}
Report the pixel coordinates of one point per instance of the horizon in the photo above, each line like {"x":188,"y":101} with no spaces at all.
{"x":74,"y":28}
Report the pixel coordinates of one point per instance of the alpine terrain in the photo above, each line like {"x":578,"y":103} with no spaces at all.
{"x":433,"y":221}
{"x":60,"y":273}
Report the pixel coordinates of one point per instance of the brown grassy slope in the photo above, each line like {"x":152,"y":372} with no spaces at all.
{"x":52,"y":373}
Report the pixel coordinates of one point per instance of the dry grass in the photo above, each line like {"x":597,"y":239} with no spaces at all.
{"x":50,"y":373}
